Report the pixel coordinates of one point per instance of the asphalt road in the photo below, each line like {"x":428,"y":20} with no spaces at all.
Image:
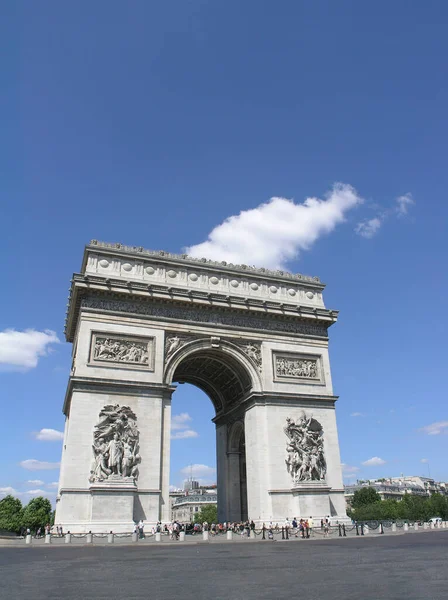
{"x":411,"y":567}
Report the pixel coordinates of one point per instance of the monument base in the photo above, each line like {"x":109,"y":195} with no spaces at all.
{"x":305,"y":499}
{"x":112,"y":504}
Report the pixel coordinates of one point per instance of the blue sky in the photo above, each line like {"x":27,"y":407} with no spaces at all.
{"x":151,"y":123}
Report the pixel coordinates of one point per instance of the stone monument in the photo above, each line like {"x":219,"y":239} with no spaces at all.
{"x":254,"y":340}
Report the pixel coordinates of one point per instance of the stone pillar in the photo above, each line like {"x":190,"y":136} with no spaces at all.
{"x":205,"y":536}
{"x":48,"y":538}
{"x":68,"y":538}
{"x":182,"y":536}
{"x":158,"y":536}
{"x":444,"y":524}
{"x":394,"y":527}
{"x":406,"y":527}
{"x":416,"y":526}
{"x":366,"y":529}
{"x":89,"y":538}
{"x":28,"y":539}
{"x":222,"y":472}
{"x":234,"y":490}
{"x":229,"y":535}
{"x":135,"y":537}
{"x":425,"y":525}
{"x":165,"y":514}
{"x":110,"y":538}
{"x":431,"y":525}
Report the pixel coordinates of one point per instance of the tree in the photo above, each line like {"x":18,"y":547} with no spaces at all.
{"x":365,"y":496}
{"x":11,"y":512}
{"x":37,"y":513}
{"x":208,"y":513}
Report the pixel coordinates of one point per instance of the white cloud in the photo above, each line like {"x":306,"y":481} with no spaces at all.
{"x":368,"y":228}
{"x":6,"y":491}
{"x":404,"y":203}
{"x":38,"y":465}
{"x":35,"y":481}
{"x":180,"y":429}
{"x":53,"y":484}
{"x":182,"y":435}
{"x":22,"y":349}
{"x":276,"y":231}
{"x":435,"y":428}
{"x":180,"y":421}
{"x":424,"y":460}
{"x":349,"y":472}
{"x":374,"y":462}
{"x":200,"y":472}
{"x":357,"y":414}
{"x":49,"y":435}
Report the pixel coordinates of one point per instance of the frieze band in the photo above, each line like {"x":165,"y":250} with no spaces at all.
{"x":208,"y":316}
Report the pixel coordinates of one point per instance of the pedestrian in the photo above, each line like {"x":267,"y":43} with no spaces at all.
{"x":141,"y":531}
{"x":310,"y":523}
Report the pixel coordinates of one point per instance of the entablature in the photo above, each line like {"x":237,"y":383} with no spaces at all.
{"x":97,"y":293}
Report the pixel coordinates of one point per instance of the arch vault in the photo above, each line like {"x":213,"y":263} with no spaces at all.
{"x":254,"y":340}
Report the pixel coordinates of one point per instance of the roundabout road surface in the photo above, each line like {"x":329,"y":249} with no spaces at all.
{"x":405,"y":567}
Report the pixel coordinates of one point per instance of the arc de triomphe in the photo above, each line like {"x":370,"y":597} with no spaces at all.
{"x":254,"y":340}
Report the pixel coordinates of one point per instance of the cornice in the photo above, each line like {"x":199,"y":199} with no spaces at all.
{"x":114,"y":386}
{"x":119,"y":289}
{"x":118,"y":249}
{"x":275,"y":398}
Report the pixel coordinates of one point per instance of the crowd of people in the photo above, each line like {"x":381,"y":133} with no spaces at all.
{"x":297,"y":528}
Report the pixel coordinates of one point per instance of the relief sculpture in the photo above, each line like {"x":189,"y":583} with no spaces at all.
{"x":115,"y":445}
{"x":305,"y":450}
{"x":296,"y":367}
{"x":121,"y":350}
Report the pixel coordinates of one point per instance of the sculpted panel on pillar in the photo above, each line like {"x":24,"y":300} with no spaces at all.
{"x":127,"y":351}
{"x":115,"y":445}
{"x":296,"y":368}
{"x":305,"y":450}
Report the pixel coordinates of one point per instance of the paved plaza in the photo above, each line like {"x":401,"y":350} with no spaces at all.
{"x":411,"y":567}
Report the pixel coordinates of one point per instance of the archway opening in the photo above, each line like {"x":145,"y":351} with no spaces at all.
{"x":226,"y":382}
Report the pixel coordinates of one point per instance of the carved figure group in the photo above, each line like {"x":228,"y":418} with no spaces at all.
{"x":172,"y":344}
{"x":305,"y":453}
{"x":115,"y":444}
{"x":296,"y":367}
{"x":253,"y":352}
{"x":120,"y":350}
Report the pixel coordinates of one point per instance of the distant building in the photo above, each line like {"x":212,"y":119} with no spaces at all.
{"x":186,"y":506}
{"x":394,"y":488}
{"x":191,"y":484}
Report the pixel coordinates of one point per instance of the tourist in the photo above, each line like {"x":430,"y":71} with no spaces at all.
{"x":141,"y":529}
{"x":326,"y":528}
{"x":310,"y":523}
{"x":307,"y":529}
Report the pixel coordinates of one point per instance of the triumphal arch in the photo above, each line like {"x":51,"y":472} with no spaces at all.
{"x":254,"y":340}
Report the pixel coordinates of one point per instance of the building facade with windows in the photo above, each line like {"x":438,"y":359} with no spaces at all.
{"x":185,"y":507}
{"x":394,"y":488}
